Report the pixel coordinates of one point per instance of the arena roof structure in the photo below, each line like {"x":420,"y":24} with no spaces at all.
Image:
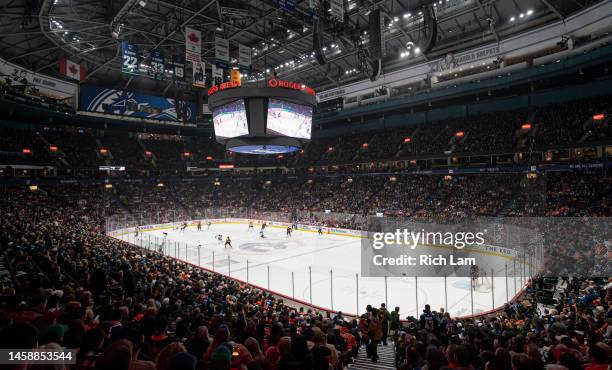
{"x":36,"y":34}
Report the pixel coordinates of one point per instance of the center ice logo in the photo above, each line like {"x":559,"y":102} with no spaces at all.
{"x":262,"y":247}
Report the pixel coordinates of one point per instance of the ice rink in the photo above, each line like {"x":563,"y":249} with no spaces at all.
{"x":330,"y":264}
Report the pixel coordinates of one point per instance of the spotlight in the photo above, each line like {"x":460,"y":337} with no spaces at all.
{"x":142,"y":3}
{"x":512,"y":19}
{"x":530,"y":12}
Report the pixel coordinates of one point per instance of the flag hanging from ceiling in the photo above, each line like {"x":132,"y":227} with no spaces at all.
{"x":71,"y":69}
{"x":193,"y":45}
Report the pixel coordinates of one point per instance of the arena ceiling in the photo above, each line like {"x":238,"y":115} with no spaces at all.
{"x":37,"y":33}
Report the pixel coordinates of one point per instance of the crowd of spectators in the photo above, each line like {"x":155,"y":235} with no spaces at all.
{"x":121,"y":307}
{"x":555,"y":126}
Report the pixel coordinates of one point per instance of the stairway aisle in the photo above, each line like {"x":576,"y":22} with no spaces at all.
{"x":386,"y":360}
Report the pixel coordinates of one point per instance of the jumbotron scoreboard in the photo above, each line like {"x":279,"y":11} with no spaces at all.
{"x":271,"y":119}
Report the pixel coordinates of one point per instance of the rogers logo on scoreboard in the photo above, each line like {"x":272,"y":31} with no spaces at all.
{"x":290,"y":85}
{"x":223,"y":86}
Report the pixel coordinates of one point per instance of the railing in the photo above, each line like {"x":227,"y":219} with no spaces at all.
{"x":317,"y":277}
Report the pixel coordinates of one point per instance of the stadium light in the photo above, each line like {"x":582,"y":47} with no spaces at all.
{"x":33,"y":187}
{"x":512,"y":19}
{"x":108,"y":186}
{"x":598,"y":117}
{"x":103,"y":151}
{"x":529,"y":12}
{"x":160,"y":185}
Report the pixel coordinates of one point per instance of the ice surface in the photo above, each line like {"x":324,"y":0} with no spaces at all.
{"x":328,"y":263}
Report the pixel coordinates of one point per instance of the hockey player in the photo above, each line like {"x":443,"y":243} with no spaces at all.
{"x":251,"y":228}
{"x":228,"y":242}
{"x":320,"y":230}
{"x":219,"y":238}
{"x":183,"y":226}
{"x":288,"y":231}
{"x":208,"y":223}
{"x":199,"y":225}
{"x":474,"y":273}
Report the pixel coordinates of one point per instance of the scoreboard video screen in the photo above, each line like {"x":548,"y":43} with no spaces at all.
{"x":289,"y":119}
{"x":230,"y":120}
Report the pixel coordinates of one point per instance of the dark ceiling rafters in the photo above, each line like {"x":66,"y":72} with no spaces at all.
{"x":27,"y":38}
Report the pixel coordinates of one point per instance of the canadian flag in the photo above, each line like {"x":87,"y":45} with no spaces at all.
{"x":71,"y":69}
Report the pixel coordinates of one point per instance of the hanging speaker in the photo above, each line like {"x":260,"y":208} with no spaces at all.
{"x":375,"y":69}
{"x":430,"y":28}
{"x":317,"y":41}
{"x":376,"y":34}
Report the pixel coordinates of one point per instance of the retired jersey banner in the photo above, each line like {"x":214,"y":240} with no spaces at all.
{"x":178,"y":67}
{"x":222,"y":57}
{"x":244,"y":58}
{"x":156,"y":64}
{"x":217,"y":75}
{"x":130,"y":104}
{"x":199,"y":79}
{"x":129,"y":58}
{"x":193,"y":45}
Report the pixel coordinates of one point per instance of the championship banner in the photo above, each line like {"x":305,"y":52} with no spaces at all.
{"x":193,"y":45}
{"x":199,"y":79}
{"x":337,"y":9}
{"x":129,"y":58}
{"x":217,"y":75}
{"x":222,"y":57}
{"x":244,"y":58}
{"x":156,"y":64}
{"x":178,"y":67}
